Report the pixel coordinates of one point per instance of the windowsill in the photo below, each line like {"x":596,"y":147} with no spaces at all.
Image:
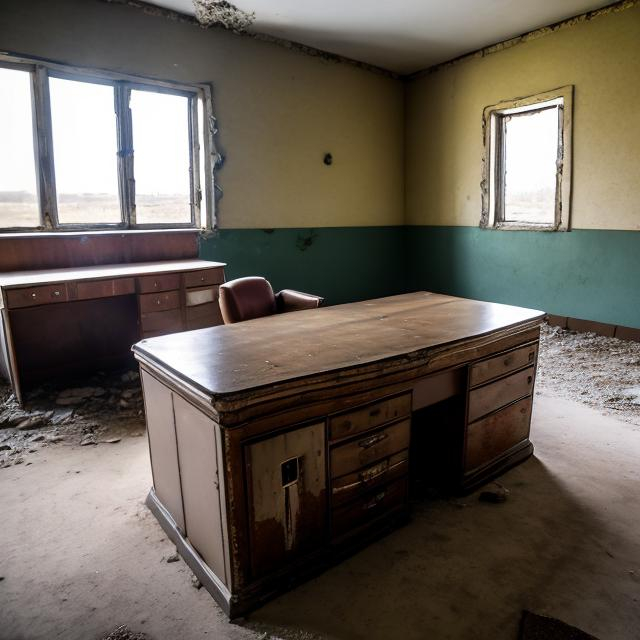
{"x":507,"y":226}
{"x":92,"y":232}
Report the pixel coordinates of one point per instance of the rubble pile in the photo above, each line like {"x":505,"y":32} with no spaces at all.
{"x":101,"y":409}
{"x":601,"y":372}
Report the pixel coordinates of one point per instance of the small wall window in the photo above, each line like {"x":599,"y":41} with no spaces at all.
{"x":527,"y":162}
{"x":89,"y":149}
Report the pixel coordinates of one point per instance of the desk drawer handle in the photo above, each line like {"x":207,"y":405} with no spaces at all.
{"x":368,"y":475}
{"x":56,"y":293}
{"x":33,"y":295}
{"x":531,"y":355}
{"x":529,"y":379}
{"x":369,"y":442}
{"x":374,"y":412}
{"x":374,"y":502}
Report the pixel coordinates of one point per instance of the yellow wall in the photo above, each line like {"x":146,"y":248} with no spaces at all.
{"x":601,"y":58}
{"x":278,"y":111}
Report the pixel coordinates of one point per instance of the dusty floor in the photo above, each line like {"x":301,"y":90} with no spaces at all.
{"x":81,"y":555}
{"x":601,"y":372}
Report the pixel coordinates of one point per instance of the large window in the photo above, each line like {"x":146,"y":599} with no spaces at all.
{"x":86,"y":150}
{"x":527,"y":163}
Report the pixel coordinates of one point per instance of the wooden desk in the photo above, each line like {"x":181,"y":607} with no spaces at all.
{"x":279,"y":444}
{"x":61,"y":321}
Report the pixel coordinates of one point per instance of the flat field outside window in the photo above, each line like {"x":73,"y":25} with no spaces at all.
{"x":85,"y":152}
{"x":531,"y":149}
{"x":161,"y":152}
{"x":18,"y":186}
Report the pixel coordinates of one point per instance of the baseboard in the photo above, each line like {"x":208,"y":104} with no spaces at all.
{"x":601,"y":328}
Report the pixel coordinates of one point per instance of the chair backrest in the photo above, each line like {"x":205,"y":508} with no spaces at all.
{"x":246,"y":298}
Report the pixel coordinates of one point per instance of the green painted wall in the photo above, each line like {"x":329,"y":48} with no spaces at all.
{"x":343,"y":264}
{"x":585,"y":273}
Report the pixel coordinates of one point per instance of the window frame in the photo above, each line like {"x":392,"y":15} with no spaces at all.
{"x":202,"y":197}
{"x":493,"y":159}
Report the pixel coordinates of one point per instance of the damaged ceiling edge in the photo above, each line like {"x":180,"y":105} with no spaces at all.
{"x":176,"y":16}
{"x":616,"y":7}
{"x":291,"y":45}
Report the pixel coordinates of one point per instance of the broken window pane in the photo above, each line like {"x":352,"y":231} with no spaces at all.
{"x":531,"y":149}
{"x":85,"y":152}
{"x":161,"y":152}
{"x":18,"y":186}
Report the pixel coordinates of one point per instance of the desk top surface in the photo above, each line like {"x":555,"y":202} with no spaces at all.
{"x":44,"y":276}
{"x":235,"y":358}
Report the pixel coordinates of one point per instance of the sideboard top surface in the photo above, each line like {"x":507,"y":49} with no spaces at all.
{"x":231,"y":359}
{"x":94,"y":272}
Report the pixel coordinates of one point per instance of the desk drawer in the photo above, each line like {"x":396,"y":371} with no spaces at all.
{"x":152,"y":302}
{"x":370,"y":506}
{"x":105,"y":288}
{"x":349,"y":487}
{"x":373,"y":415}
{"x":204,"y":315}
{"x":502,"y":364}
{"x":203,"y":295}
{"x":370,"y":448}
{"x":161,"y":322}
{"x":32,"y":296}
{"x":203,"y":277}
{"x":160,"y":282}
{"x":489,"y":438}
{"x":484,"y":400}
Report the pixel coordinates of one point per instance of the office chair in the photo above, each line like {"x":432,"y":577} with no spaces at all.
{"x":248,"y":298}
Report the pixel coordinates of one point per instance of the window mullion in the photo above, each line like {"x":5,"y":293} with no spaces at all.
{"x":44,"y":143}
{"x":500,"y":167}
{"x":126,"y":181}
{"x":194,"y":163}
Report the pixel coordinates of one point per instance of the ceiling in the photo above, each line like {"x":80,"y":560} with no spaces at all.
{"x":401,"y":35}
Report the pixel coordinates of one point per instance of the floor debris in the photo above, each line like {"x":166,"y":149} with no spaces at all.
{"x":124,"y":633}
{"x":601,"y":372}
{"x":102,"y":409}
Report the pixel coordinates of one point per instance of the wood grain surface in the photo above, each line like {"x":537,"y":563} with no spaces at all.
{"x":246,"y":356}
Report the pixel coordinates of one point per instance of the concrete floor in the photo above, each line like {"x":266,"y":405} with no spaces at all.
{"x":81,"y":554}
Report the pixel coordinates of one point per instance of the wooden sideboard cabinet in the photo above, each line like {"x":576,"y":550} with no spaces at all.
{"x":59,"y":321}
{"x":280,"y":444}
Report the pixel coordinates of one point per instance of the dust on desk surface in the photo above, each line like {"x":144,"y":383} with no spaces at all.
{"x":601,"y":372}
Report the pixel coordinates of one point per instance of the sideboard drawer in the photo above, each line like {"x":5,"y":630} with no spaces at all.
{"x":373,"y":415}
{"x":105,"y":288}
{"x":203,"y":277}
{"x":32,"y":296}
{"x":484,"y":400}
{"x":160,"y":282}
{"x":204,"y":315}
{"x":161,"y":321}
{"x":352,"y":485}
{"x":502,"y":364}
{"x":368,"y":507}
{"x":491,"y":437}
{"x":369,"y":448}
{"x":203,"y":295}
{"x":151,"y":302}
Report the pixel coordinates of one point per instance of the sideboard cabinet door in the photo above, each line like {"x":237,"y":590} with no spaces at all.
{"x":286,"y":478}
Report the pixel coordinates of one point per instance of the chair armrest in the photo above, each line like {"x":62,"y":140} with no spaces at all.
{"x":290,"y":300}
